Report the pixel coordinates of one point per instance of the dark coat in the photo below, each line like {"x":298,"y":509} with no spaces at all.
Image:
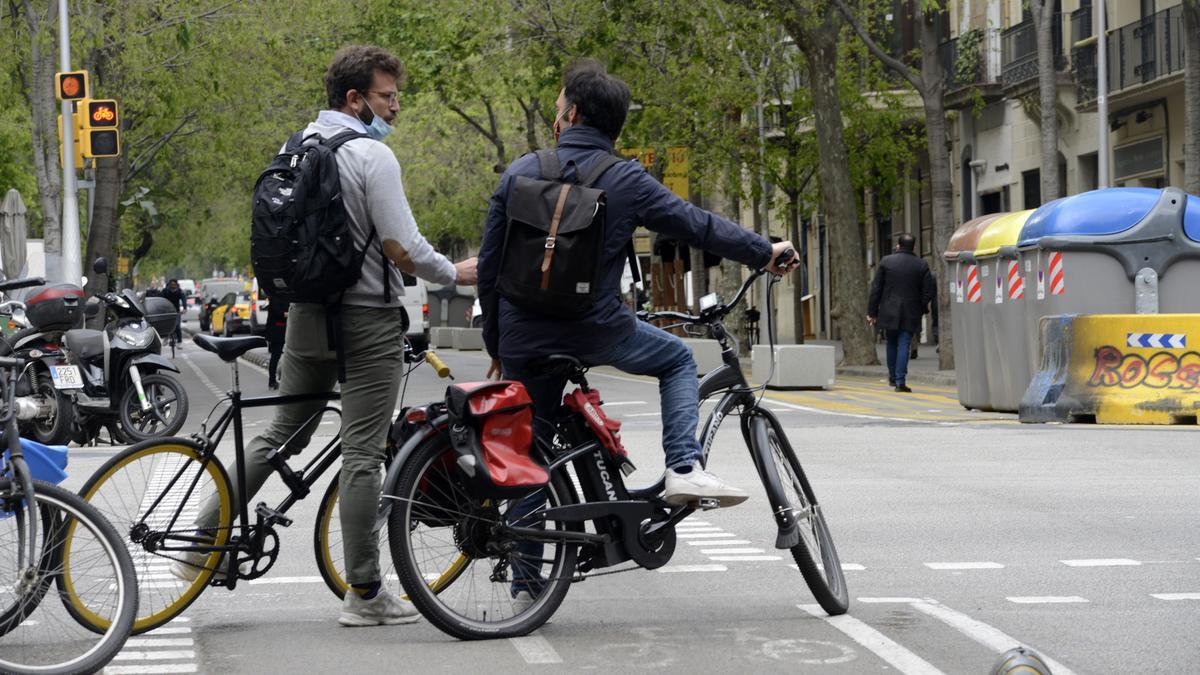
{"x":634,"y":198}
{"x":901,"y":292}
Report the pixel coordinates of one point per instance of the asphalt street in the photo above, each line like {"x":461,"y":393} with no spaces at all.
{"x":962,"y":535}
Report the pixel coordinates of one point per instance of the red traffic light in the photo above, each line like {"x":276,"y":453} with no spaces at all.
{"x":101,"y":113}
{"x":72,"y":86}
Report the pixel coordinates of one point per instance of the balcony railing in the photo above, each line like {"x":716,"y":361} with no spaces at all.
{"x":954,"y":62}
{"x":1081,"y":23}
{"x":1019,"y":52}
{"x":1140,"y":52}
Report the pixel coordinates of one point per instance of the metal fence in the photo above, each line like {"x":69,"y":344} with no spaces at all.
{"x":1019,"y":52}
{"x":1139,"y":52}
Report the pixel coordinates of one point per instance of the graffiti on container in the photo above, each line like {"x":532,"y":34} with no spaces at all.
{"x":1161,"y":370}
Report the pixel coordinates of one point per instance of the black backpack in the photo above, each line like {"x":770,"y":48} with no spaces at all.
{"x":553,"y":245}
{"x":301,"y":246}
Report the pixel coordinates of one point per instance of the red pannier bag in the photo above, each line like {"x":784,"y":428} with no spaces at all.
{"x":491,"y":430}
{"x":608,"y":431}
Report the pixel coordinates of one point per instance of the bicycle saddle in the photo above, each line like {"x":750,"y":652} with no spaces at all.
{"x":229,"y":348}
{"x":557,"y":365}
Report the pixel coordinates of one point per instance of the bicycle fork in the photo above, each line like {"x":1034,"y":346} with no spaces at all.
{"x":756,"y":423}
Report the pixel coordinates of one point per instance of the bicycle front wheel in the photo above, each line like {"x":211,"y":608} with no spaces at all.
{"x":815,"y":555}
{"x":154,"y":493}
{"x":38,"y":635}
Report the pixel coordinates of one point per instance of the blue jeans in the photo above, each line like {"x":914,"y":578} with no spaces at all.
{"x":899,"y":345}
{"x":648,"y":351}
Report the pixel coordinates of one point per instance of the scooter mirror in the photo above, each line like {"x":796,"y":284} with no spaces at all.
{"x":92,"y":308}
{"x":100,"y":266}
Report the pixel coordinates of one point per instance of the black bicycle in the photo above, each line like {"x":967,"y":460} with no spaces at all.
{"x":487,"y":568}
{"x":42,"y":527}
{"x":154,"y":491}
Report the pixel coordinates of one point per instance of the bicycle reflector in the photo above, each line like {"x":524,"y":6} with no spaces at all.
{"x":71,"y":86}
{"x":416,"y":416}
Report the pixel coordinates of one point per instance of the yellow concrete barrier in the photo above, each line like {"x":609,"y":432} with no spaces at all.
{"x":1117,"y":369}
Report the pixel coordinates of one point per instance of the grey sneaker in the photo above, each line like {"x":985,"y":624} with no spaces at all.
{"x":189,"y":565}
{"x":697,"y":484}
{"x":384,"y":609}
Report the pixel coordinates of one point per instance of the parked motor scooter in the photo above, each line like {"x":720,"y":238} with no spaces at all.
{"x":119,"y":374}
{"x":44,"y":410}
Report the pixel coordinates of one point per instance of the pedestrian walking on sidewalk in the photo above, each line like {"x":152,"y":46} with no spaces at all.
{"x":275,"y":334}
{"x":900,"y":295}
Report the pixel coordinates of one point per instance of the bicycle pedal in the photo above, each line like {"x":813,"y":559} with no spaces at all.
{"x":272,"y":517}
{"x":708,"y":504}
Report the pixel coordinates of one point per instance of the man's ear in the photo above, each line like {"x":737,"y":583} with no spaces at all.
{"x":573,"y":116}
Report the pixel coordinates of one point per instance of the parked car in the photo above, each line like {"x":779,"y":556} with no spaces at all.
{"x":232,"y":315}
{"x":416,"y":304}
{"x":188,"y":286}
{"x":211,"y":292}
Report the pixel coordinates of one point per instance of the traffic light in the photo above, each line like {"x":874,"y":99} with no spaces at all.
{"x":72,"y":86}
{"x":101,"y":135}
{"x":78,"y":122}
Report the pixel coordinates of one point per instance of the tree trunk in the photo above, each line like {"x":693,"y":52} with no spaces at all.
{"x":818,"y":39}
{"x":102,"y":228}
{"x":1043,"y":25}
{"x":44,"y":109}
{"x":1191,"y":96}
{"x":724,"y":201}
{"x":934,"y":78}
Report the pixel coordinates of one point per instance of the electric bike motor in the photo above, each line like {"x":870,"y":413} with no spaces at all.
{"x":55,"y":307}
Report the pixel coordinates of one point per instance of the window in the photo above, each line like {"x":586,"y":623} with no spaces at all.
{"x":1031,"y":187}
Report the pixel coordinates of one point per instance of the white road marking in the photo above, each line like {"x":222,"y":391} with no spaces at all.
{"x":882,"y":601}
{"x":692,"y":568}
{"x":286,"y":580}
{"x":719,"y":542}
{"x":158,"y":668}
{"x":988,"y":636}
{"x":170,"y":630}
{"x":964,"y":565}
{"x":846,"y":567}
{"x":881,"y":418}
{"x":653,"y":414}
{"x":154,"y":656}
{"x":164,"y":642}
{"x":704,"y":535}
{"x":745,"y":558}
{"x":609,"y":405}
{"x":698,"y":529}
{"x":882,"y":646}
{"x":1176,"y":596}
{"x":1100,"y":562}
{"x":1045,"y":599}
{"x":535,"y":649}
{"x":724,"y":551}
{"x":204,"y":379}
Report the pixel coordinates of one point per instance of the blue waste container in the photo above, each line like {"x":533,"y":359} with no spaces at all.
{"x":1179,"y":287}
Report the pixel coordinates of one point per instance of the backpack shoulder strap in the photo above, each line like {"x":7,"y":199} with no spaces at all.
{"x":337,"y":141}
{"x":601,"y":166}
{"x":548,"y":164}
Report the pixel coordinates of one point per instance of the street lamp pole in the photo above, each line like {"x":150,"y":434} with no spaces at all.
{"x":71,"y":270}
{"x":1102,"y":93}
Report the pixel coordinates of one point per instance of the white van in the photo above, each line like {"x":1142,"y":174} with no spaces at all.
{"x":416,"y":303}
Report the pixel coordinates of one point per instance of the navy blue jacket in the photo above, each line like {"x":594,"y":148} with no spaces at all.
{"x":634,"y":198}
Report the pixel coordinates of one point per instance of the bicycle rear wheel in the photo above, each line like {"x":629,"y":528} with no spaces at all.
{"x":39,"y":635}
{"x":456,"y":568}
{"x":153,"y":493}
{"x":815,"y":555}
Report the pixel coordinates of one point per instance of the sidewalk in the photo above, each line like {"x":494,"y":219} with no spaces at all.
{"x":922,"y":370}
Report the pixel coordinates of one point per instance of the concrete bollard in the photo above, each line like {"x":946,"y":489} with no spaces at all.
{"x":707,"y":354}
{"x":441,"y":337}
{"x":467,"y":339}
{"x":796,"y":366}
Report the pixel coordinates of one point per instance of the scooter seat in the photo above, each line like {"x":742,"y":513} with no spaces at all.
{"x":229,"y":348}
{"x":87,"y":344}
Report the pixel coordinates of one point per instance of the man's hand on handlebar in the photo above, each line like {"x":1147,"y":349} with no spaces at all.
{"x":781,"y":267}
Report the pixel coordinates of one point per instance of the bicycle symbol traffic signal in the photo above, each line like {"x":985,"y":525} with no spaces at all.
{"x":102,"y":113}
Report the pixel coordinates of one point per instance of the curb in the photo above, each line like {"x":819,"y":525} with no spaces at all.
{"x":937,"y":378}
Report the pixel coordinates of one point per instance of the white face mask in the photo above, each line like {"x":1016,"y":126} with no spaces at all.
{"x":377,"y":128}
{"x":558,"y":129}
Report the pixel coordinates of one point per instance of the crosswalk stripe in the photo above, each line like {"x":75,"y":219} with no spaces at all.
{"x":988,"y":636}
{"x":881,"y":645}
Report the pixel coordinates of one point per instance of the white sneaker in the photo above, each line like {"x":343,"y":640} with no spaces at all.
{"x":189,"y":565}
{"x":384,"y":609}
{"x":697,"y":484}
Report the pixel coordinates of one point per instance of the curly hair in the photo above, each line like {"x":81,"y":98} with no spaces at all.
{"x":354,"y":67}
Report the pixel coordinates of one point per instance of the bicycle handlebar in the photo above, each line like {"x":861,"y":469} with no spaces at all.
{"x":719,"y":311}
{"x":436,"y":363}
{"x":13,"y":284}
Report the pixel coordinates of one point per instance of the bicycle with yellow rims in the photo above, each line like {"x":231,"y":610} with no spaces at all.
{"x":154,"y":491}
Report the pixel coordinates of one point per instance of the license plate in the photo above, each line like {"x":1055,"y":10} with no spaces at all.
{"x":66,"y":377}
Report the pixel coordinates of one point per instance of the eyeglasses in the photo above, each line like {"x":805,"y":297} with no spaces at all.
{"x":389,"y":96}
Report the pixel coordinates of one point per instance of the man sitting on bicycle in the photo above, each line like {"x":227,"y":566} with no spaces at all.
{"x":591,"y":112}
